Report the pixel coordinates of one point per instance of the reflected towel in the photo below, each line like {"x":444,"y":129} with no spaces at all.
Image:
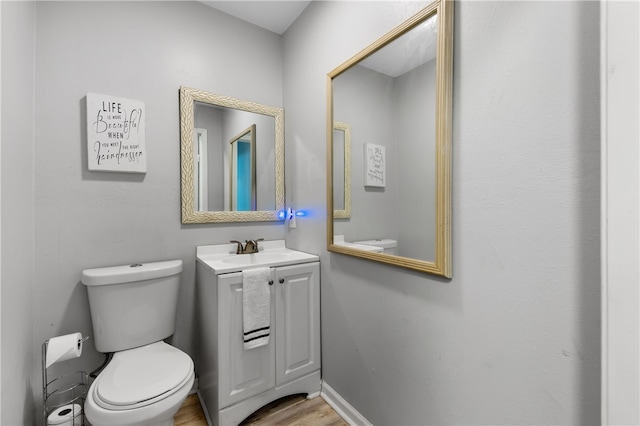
{"x":256,"y":307}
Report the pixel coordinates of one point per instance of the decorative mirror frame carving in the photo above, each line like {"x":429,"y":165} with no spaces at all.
{"x":188,"y":97}
{"x":346,"y":213}
{"x":444,"y":92}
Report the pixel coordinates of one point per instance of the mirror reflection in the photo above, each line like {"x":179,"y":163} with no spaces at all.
{"x":232,"y":155}
{"x":341,"y":170}
{"x":243,"y":171}
{"x":216,"y":158}
{"x":395,"y":96}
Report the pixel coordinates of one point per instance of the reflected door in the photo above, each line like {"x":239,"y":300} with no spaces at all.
{"x":243,"y":171}
{"x":243,"y":177}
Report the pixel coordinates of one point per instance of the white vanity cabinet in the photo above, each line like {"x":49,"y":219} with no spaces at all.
{"x":234,"y":382}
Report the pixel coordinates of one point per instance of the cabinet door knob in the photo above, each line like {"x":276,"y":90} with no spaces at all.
{"x":270,"y":282}
{"x":281,"y":280}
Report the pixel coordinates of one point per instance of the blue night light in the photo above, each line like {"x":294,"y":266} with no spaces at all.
{"x":290,"y":214}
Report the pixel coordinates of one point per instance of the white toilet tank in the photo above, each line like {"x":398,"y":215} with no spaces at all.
{"x":132,"y":305}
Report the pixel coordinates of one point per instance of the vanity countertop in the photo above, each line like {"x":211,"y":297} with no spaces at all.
{"x":222,"y":258}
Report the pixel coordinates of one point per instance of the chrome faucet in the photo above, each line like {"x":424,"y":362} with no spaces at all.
{"x":251,"y":246}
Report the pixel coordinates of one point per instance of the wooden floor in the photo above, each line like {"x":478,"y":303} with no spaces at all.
{"x":290,"y":411}
{"x":190,"y":414}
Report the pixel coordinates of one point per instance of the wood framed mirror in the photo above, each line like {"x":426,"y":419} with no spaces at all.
{"x":209,"y":126}
{"x":396,"y":94}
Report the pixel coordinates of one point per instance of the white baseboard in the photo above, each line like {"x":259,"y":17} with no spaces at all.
{"x":313,"y":395}
{"x":204,"y":409}
{"x":342,"y":407}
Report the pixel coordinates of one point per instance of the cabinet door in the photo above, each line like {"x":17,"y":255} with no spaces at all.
{"x":242,"y":373}
{"x":297,"y":321}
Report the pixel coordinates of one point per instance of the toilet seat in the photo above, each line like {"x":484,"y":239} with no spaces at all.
{"x":142,"y":376}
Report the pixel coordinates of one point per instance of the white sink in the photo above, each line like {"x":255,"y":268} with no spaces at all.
{"x":256,"y":258}
{"x":222,"y":258}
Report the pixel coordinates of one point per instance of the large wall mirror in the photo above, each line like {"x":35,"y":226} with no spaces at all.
{"x":396,"y":95}
{"x":232,"y":159}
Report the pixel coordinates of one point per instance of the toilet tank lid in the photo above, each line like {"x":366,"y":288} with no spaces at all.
{"x":130,"y":273}
{"x":383,"y":242}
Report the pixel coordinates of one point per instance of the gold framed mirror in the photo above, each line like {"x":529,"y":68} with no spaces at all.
{"x":396,"y":94}
{"x":209,"y":123}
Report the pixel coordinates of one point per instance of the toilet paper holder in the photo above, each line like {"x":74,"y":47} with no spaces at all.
{"x":64,"y":395}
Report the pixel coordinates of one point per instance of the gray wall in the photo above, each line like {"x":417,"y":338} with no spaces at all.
{"x":415,"y":130}
{"x":18,"y":353}
{"x":513,"y":338}
{"x":87,"y":219}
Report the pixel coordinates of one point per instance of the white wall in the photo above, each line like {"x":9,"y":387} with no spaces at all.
{"x":620,"y":185}
{"x":513,"y":338}
{"x":222,"y":126}
{"x":143,"y":51}
{"x":18,"y":352}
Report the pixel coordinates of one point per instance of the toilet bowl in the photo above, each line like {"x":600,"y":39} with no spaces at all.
{"x":133,"y":308}
{"x":141,"y":386}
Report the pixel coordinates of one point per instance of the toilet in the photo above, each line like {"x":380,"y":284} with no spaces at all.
{"x":339,"y":241}
{"x":133,"y":308}
{"x":388,"y":245}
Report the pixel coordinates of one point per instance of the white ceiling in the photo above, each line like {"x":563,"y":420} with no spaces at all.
{"x":275,"y":16}
{"x":415,"y":48}
{"x":409,"y":51}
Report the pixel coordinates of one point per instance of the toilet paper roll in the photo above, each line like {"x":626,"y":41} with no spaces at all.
{"x":67,"y":415}
{"x":62,"y":348}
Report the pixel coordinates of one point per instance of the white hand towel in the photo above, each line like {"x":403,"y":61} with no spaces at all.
{"x":256,"y":307}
